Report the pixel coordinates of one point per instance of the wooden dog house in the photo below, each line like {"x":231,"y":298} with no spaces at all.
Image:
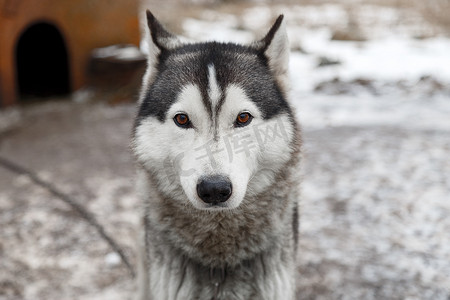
{"x":45,"y":45}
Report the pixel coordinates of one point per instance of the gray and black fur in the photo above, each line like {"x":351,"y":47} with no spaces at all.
{"x":191,"y":250}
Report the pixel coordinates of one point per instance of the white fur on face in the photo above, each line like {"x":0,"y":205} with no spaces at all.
{"x":214,"y":91}
{"x":249,"y":156}
{"x":259,"y":149}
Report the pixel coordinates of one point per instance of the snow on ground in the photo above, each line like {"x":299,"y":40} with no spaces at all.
{"x":375,"y":203}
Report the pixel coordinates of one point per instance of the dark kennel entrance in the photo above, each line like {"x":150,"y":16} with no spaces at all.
{"x":42,"y":62}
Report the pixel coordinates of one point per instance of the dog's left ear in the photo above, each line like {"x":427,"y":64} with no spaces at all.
{"x":275,"y":46}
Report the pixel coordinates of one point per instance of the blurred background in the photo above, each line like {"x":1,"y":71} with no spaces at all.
{"x":371,"y":86}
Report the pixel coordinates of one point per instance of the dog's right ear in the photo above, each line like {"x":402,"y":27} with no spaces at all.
{"x":160,"y":37}
{"x":161,"y":40}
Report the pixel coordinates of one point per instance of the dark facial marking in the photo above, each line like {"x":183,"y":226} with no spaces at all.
{"x":234,"y":64}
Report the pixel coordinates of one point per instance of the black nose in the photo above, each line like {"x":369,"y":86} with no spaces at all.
{"x":214,"y":189}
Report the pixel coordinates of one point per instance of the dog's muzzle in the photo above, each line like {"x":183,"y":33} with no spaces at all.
{"x":214,"y":189}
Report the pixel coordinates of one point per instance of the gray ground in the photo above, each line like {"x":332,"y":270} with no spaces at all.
{"x":374,"y":225}
{"x":47,"y":251}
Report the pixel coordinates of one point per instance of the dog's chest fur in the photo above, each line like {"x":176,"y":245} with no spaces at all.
{"x":244,"y":282}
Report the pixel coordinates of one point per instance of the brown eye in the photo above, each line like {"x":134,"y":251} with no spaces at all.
{"x":243,"y":119}
{"x":182,"y":120}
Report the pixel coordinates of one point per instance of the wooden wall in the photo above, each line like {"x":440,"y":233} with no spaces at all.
{"x":84,"y":25}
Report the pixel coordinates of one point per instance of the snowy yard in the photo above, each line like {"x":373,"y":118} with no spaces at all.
{"x":375,"y":114}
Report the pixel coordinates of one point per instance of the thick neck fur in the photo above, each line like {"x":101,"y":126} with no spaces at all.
{"x":221,"y":238}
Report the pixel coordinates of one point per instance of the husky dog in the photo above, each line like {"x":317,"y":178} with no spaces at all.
{"x":218,"y":149}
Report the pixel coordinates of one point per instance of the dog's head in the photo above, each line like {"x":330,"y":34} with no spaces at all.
{"x":214,"y":124}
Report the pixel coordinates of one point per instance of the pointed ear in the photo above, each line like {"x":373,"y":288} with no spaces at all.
{"x":275,"y":46}
{"x":161,"y":40}
{"x":160,"y":37}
